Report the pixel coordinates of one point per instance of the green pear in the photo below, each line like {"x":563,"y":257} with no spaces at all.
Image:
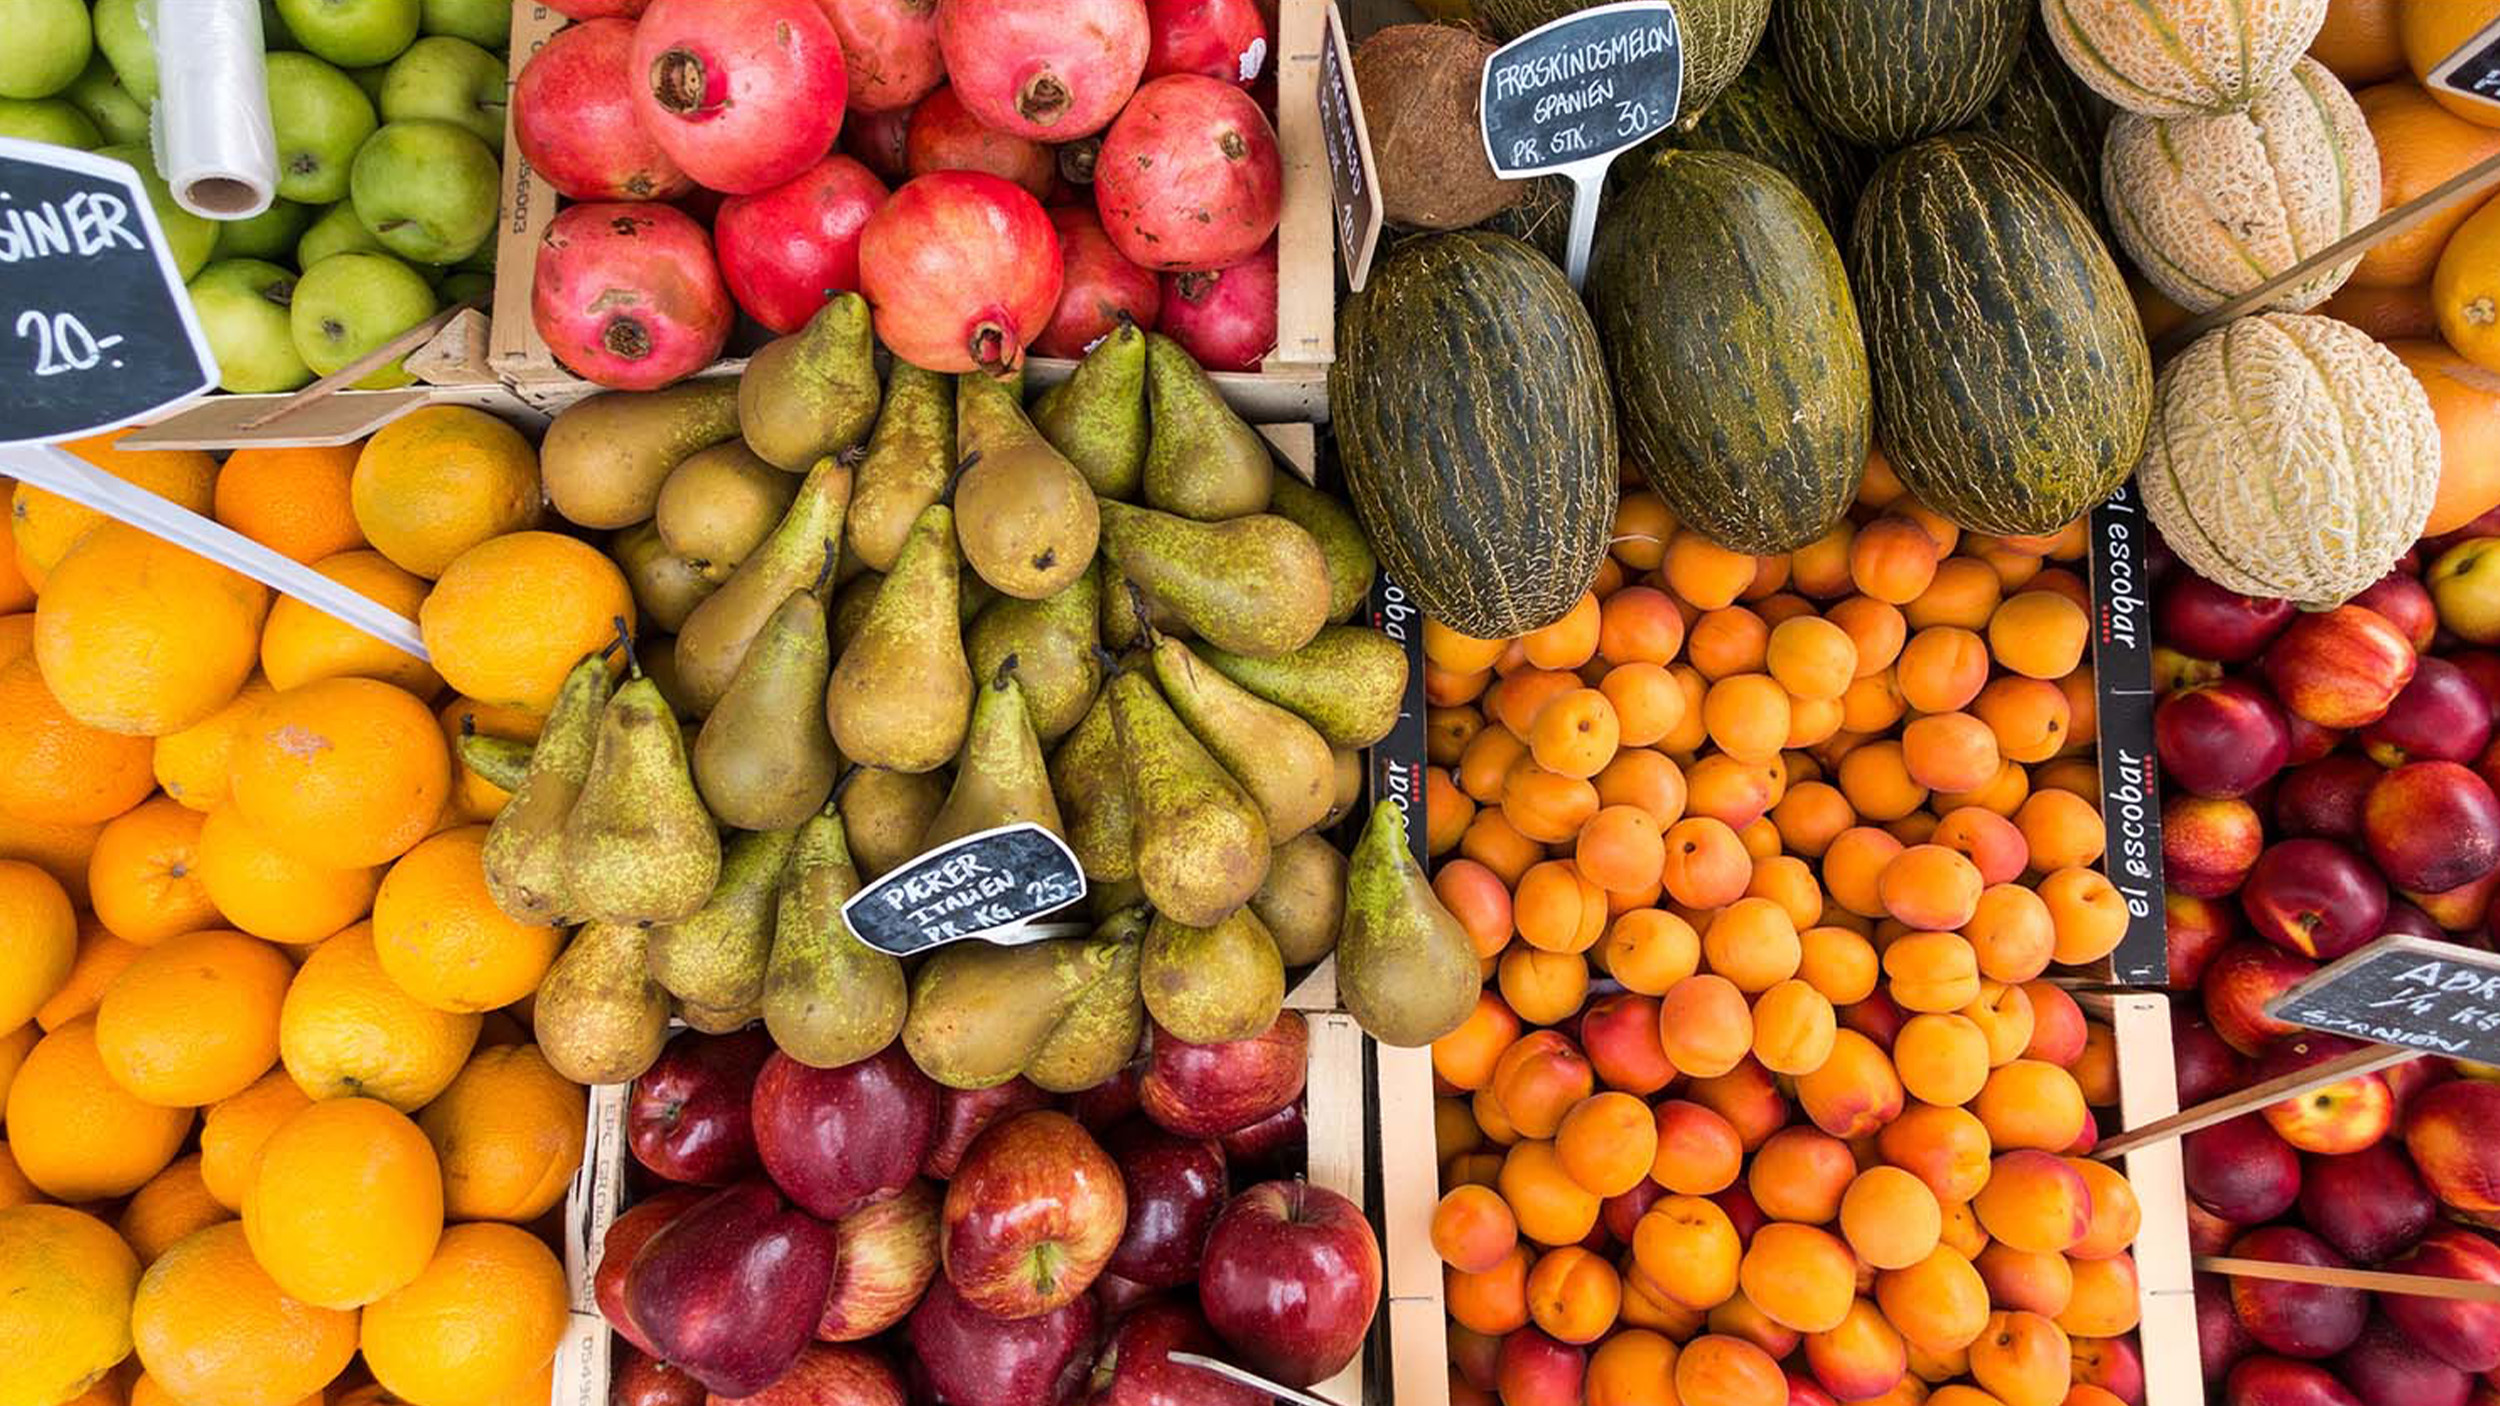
{"x":1278,"y":758}
{"x":1212,"y":985}
{"x":1351,"y":565}
{"x":901,"y":694}
{"x":980,"y":1011}
{"x":911,"y":457}
{"x":1201,"y":841}
{"x":715,"y":958}
{"x":523,"y":855}
{"x":1098,"y":416}
{"x":765,"y":759}
{"x":1086,"y":775}
{"x":718,"y":505}
{"x":598,"y":1016}
{"x":813,"y":392}
{"x":638,"y":846}
{"x":1349,"y":682}
{"x":829,"y":998}
{"x":715,"y":636}
{"x":1024,"y":515}
{"x":1303,"y":900}
{"x":1205,"y":461}
{"x":1405,"y":968}
{"x":1000,"y":779}
{"x":1054,"y":642}
{"x":1099,"y":1034}
{"x":1254,"y":585}
{"x":605,"y":458}
{"x":884,"y":814}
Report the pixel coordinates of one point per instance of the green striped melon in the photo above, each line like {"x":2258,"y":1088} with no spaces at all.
{"x":2210,"y":207}
{"x":1884,"y":72}
{"x":1739,"y":371}
{"x":1758,"y":116}
{"x":2179,"y":58}
{"x":2290,"y":456}
{"x":1718,"y":37}
{"x":1477,"y":432}
{"x":2050,"y":116}
{"x":2012,"y":383}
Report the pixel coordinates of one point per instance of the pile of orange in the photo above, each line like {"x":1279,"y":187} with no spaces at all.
{"x":1770,"y":863}
{"x":271,"y":1129}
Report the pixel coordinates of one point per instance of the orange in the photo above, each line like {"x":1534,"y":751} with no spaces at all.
{"x":509,"y":1134}
{"x":58,"y":850}
{"x":2465,"y":400}
{"x":76,"y":1134}
{"x":343,"y":772}
{"x":437,"y":482}
{"x":441,"y":937}
{"x":2358,"y":43}
{"x":2432,"y":32}
{"x":143,"y":878}
{"x":346,"y":1203}
{"x":16,"y":592}
{"x":101,"y":957}
{"x":43,"y":940}
{"x":46,"y":525}
{"x":56,"y":770}
{"x":294,"y":501}
{"x":347,"y":1029}
{"x":14,"y":1045}
{"x":174,"y":1203}
{"x":271,"y":894}
{"x":483,"y":1318}
{"x":570,"y":595}
{"x":136,"y":635}
{"x":2421,"y":144}
{"x":194,"y":765}
{"x":215,"y":1329}
{"x":15,"y":1189}
{"x":67,"y":1279}
{"x":195,"y":1019}
{"x":301,"y":644}
{"x":232,"y":1131}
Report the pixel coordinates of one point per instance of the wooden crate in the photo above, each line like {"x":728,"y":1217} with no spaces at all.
{"x":1291,"y":386}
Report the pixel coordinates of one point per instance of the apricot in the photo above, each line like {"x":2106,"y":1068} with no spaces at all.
{"x":1890,"y":1218}
{"x":1800,"y":1277}
{"x":2096,"y":1072}
{"x":1485,"y":763}
{"x":1454,"y":1130}
{"x":1789,"y":882}
{"x":1639,"y":625}
{"x":1944,"y":1367}
{"x":2011,"y":932}
{"x":1539,"y":1079}
{"x":1544,"y":988}
{"x":1931,"y":971}
{"x":1965,"y":592}
{"x":1517,"y":699}
{"x":1445,"y":690}
{"x":1635,"y":1367}
{"x":1465,"y":1058}
{"x":1557,"y":909}
{"x":1698,"y":1152}
{"x":2003,"y":1015}
{"x":1687,"y":1248}
{"x":2057,"y":1024}
{"x":1619,"y":1034}
{"x":1811,"y":658}
{"x":1761,"y":840}
{"x":1643,"y":777}
{"x":1688,"y":734}
{"x":1993,"y":844}
{"x":1606,"y":1143}
{"x":1569,"y":642}
{"x":2083,"y":706}
{"x":1877,"y":782}
{"x":2062,"y":829}
{"x":1473,"y":1230}
{"x":1810,"y":816}
{"x":1546,"y":806}
{"x":1740,"y":1318}
{"x":1705,"y":1025}
{"x":1645,"y":1305}
{"x":1462,"y":653}
{"x":1492,"y":842}
{"x":2002,"y":795}
{"x":1706,"y":866}
{"x":1575,"y":733}
{"x":1860,"y":1357}
{"x":1734,"y":793}
{"x":2026,"y":1279}
{"x":2088,"y":913}
{"x":2030,"y":1103}
{"x":2039,"y":634}
{"x":2034,"y":1201}
{"x":1494,"y":1302}
{"x":1875,"y":628}
{"x":1855,"y":1092}
{"x":1892,"y":560}
{"x":2030,"y":718}
{"x":1949,"y":751}
{"x":1916,"y":828}
{"x":1732,"y":640}
{"x":2112,"y":1366}
{"x":1753,"y":943}
{"x":1647,"y":700}
{"x":1943,"y":1059}
{"x":1812,"y":721}
{"x":1746,"y":715}
{"x":1942,"y":669}
{"x":1939,"y":1304}
{"x":1573,"y":1295}
{"x":1962,"y":1230}
{"x":1820,"y":568}
{"x":1551,"y":1208}
{"x":1747,"y":1097}
{"x":2022,"y":1359}
{"x":1649,"y":950}
{"x":1853,"y":868}
{"x":1478,"y":898}
{"x":1793,"y":1026}
{"x":2116,"y":1214}
{"x":1718,"y":1370}
{"x":1930,"y":886}
{"x":1801,"y":1174}
{"x":2104,"y":1302}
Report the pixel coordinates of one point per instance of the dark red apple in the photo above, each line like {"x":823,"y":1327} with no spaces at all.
{"x":2199,"y":929}
{"x":636,"y":1378}
{"x":2297,"y":1320}
{"x":730,"y":1289}
{"x":830,"y":1375}
{"x":2405,"y":919}
{"x":2209,"y":844}
{"x":626,"y":1236}
{"x":1211,"y":1090}
{"x":964,"y":1113}
{"x":838,"y":1139}
{"x":1291,"y":1279}
{"x":2384,"y":1364}
{"x":2402,"y":600}
{"x":1278,"y":1144}
{"x":1111,"y":1102}
{"x":2323,"y":798}
{"x":1136,"y":1368}
{"x":2220,"y":739}
{"x":686,"y":1117}
{"x":2267,"y":1380}
{"x":2209,"y":622}
{"x":1175,"y":1186}
{"x":1115,"y":1296}
{"x":2440,"y":717}
{"x":2315,"y":898}
{"x":2207,"y":1065}
{"x":2482,"y":669}
{"x":969,"y":1358}
{"x":1032,"y":1215}
{"x":2340,"y":667}
{"x":2344,"y":1116}
{"x":2462,"y":1333}
{"x":2220,"y":1339}
{"x":2237,"y":987}
{"x":2370,"y":1205}
{"x":2240,"y":1170}
{"x":885,"y":1254}
{"x":2432,"y":826}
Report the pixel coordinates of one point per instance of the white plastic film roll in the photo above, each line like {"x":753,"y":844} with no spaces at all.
{"x":214,"y":142}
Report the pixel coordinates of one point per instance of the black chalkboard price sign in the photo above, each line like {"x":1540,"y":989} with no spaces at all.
{"x":982,"y":885}
{"x":95,"y":328}
{"x":1569,"y":96}
{"x":2474,"y":69}
{"x":2122,"y":682}
{"x":1353,"y":180}
{"x":2408,"y":991}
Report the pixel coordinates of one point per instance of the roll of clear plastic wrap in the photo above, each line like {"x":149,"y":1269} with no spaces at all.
{"x":214,"y":142}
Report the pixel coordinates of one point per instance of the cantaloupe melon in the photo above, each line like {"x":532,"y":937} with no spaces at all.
{"x":2290,"y":456}
{"x":2177,"y":58}
{"x":2209,"y":207}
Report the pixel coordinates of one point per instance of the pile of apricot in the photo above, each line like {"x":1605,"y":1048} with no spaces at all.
{"x":1770,"y":1097}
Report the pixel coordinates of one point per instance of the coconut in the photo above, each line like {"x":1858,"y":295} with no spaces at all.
{"x":1419,"y":85}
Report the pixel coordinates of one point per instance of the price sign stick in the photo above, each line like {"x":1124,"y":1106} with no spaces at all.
{"x":2369,"y":1059}
{"x":365,"y":365}
{"x":2377,"y":1281}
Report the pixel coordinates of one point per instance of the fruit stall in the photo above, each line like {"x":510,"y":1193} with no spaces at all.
{"x":1192,"y":702}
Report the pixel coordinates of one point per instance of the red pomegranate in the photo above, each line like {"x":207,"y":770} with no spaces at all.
{"x":1189,"y":180}
{"x":1225,"y":320}
{"x":573,"y":114}
{"x":1224,"y":39}
{"x":785,"y":251}
{"x":877,"y":139}
{"x":744,"y":96}
{"x":1097,"y":287}
{"x":1050,"y":70}
{"x":945,"y":136}
{"x":597,"y":9}
{"x":963,"y":269}
{"x":628,"y":296}
{"x":890,"y":48}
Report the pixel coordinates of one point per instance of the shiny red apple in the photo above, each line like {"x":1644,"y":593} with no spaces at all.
{"x":1276,"y":1144}
{"x":1211,"y":1090}
{"x":2209,"y":843}
{"x":2297,"y":1320}
{"x":2432,"y":826}
{"x":2370,"y":1205}
{"x":835,"y":1140}
{"x":1111,"y":1102}
{"x":2239,"y":983}
{"x":1135,"y":1368}
{"x":626,"y":1236}
{"x":963,"y":1113}
{"x":1291,"y":1280}
{"x":2240,"y":1170}
{"x":2340,"y":667}
{"x":686,"y":1117}
{"x":885,"y":1254}
{"x":2316,"y":898}
{"x":2203,"y":619}
{"x":729,"y":1290}
{"x":827,"y":1374}
{"x":2220,"y":739}
{"x":1032,"y":1216}
{"x":636,"y":1378}
{"x":1176,"y":1186}
{"x":970,"y":1358}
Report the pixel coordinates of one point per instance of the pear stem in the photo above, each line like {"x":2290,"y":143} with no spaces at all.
{"x":824,"y":573}
{"x":965,"y":467}
{"x":625,"y":640}
{"x":1137,"y":607}
{"x":1006,"y":671}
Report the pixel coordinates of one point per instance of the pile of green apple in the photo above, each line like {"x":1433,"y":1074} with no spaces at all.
{"x":389,"y":117}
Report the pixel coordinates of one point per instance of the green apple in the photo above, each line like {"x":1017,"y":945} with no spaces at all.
{"x":427,"y":190}
{"x":52,"y":121}
{"x":483,"y":261}
{"x":116,"y":114}
{"x":449,"y":80}
{"x":321,"y":117}
{"x":371,"y":79}
{"x":348,"y":304}
{"x":188,"y":237}
{"x":271,"y":234}
{"x":352,"y":33}
{"x":49,"y":41}
{"x":126,"y":45}
{"x":242,"y":305}
{"x":485,"y":23}
{"x":335,"y":231}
